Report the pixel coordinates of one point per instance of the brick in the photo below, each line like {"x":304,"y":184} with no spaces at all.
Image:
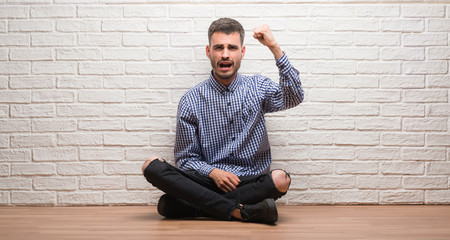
{"x":405,"y":110}
{"x":356,"y":168}
{"x":402,"y":25}
{"x":117,"y":82}
{"x":78,"y":54}
{"x":125,"y":110}
{"x":52,"y":11}
{"x":55,"y":183}
{"x":437,"y":196}
{"x":332,"y":10}
{"x":14,"y":11}
{"x":80,"y":198}
{"x":135,"y":54}
{"x":325,"y":182}
{"x":55,"y":154}
{"x":100,"y":39}
{"x":78,"y":25}
{"x":154,"y":124}
{"x":146,"y":96}
{"x":175,"y":54}
{"x":54,"y":68}
{"x":101,"y":96}
{"x":162,"y":139}
{"x":4,"y":141}
{"x":171,"y":82}
{"x":317,"y":81}
{"x":15,"y":40}
{"x":424,"y":39}
{"x":336,"y":95}
{"x":20,"y":54}
{"x":146,"y":39}
{"x":14,"y":125}
{"x":367,"y":25}
{"x":15,"y":96}
{"x":430,"y":67}
{"x":331,"y":39}
{"x":8,"y":68}
{"x":356,"y":110}
{"x":438,"y":139}
{"x":356,"y":138}
{"x":169,"y":25}
{"x":31,"y":82}
{"x":52,"y":40}
{"x":141,"y":154}
{"x":150,"y":69}
{"x":33,"y":110}
{"x":378,"y":153}
{"x":33,"y":198}
{"x":355,"y":197}
{"x":310,"y":25}
{"x":102,"y":183}
{"x":182,"y":68}
{"x":379,"y":124}
{"x":77,"y":169}
{"x":417,"y":124}
{"x":379,"y":67}
{"x":423,"y":10}
{"x":79,"y":82}
{"x":122,"y":168}
{"x":101,"y":154}
{"x":124,"y":25}
{"x":79,"y":110}
{"x":33,"y":140}
{"x":126,"y":139}
{"x":331,"y":124}
{"x":403,"y":139}
{"x":438,"y":25}
{"x":53,"y":96}
{"x":151,"y":11}
{"x":402,"y":82}
{"x":131,"y":197}
{"x":39,"y":169}
{"x":54,"y":125}
{"x":103,"y":11}
{"x":3,"y":57}
{"x":312,"y":109}
{"x":403,"y":54}
{"x":315,"y":138}
{"x":356,"y":53}
{"x":402,"y":168}
{"x":191,"y":11}
{"x":276,"y":124}
{"x":378,"y":182}
{"x":402,"y":197}
{"x":423,"y":154}
{"x":425,"y":96}
{"x":101,"y":125}
{"x":15,"y":155}
{"x":438,"y":168}
{"x":163,"y":110}
{"x":140,"y":183}
{"x":438,"y":110}
{"x":425,"y":182}
{"x":79,"y":139}
{"x":30,"y":26}
{"x":4,"y":111}
{"x":101,"y":68}
{"x":290,"y":153}
{"x":380,"y":10}
{"x":332,"y":153}
{"x":188,"y":39}
{"x":377,"y":39}
{"x":439,"y":53}
{"x":291,"y":10}
{"x":378,"y":96}
{"x":310,"y":197}
{"x":16,"y":183}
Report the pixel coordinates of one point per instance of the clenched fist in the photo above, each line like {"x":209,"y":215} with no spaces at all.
{"x":264,"y":35}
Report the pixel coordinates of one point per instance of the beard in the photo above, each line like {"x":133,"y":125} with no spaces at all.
{"x":228,"y":75}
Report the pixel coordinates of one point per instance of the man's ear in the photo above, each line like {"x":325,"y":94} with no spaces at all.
{"x":243,"y":51}
{"x":208,"y":51}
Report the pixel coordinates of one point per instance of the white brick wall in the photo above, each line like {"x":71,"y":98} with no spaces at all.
{"x":89,"y":90}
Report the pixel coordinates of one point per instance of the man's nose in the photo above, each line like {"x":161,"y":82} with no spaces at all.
{"x":225,"y":53}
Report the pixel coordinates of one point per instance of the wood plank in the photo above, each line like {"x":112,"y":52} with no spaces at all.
{"x":295,"y":222}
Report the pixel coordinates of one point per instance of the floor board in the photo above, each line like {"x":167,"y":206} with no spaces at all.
{"x":295,"y":222}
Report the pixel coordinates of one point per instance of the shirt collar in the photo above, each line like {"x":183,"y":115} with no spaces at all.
{"x":219,"y":87}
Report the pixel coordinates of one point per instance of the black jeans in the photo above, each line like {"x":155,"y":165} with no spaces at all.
{"x":201,"y":191}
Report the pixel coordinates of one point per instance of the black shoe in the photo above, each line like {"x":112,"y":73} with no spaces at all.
{"x":262,"y":212}
{"x":171,"y":207}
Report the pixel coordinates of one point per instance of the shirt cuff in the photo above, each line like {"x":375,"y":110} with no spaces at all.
{"x":205,"y":170}
{"x":283,"y":64}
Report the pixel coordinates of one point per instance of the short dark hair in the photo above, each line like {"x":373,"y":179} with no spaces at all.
{"x":227,"y":26}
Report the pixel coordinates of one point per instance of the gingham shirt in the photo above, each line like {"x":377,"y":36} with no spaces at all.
{"x":224,"y":127}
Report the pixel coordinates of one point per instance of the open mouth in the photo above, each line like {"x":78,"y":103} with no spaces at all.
{"x":225,"y":65}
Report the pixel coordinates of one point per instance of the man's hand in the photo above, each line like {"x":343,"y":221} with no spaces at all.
{"x":226,"y":181}
{"x":265,"y":37}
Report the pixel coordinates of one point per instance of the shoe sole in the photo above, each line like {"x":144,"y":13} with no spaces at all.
{"x":271,"y":210}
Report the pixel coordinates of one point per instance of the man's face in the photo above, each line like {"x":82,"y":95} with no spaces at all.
{"x":225,"y":53}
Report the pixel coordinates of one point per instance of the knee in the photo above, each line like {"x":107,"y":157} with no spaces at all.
{"x":281,"y":180}
{"x":148,"y":161}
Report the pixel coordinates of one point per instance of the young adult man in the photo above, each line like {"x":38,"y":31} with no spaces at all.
{"x":222,"y":150}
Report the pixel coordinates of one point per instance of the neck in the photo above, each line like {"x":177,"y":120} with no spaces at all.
{"x":225,"y":81}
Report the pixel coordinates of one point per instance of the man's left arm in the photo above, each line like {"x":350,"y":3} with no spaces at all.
{"x":289,"y":92}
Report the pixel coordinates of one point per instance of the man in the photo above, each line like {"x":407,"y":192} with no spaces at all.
{"x":222,"y":150}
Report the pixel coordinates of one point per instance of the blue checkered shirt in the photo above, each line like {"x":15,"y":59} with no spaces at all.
{"x":224,"y":127}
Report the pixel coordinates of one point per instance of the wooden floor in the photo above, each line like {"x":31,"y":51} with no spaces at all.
{"x":295,"y":222}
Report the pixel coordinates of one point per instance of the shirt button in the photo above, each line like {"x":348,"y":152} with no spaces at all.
{"x":231,"y":154}
{"x":229,"y":104}
{"x":233,"y":138}
{"x":231,"y":121}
